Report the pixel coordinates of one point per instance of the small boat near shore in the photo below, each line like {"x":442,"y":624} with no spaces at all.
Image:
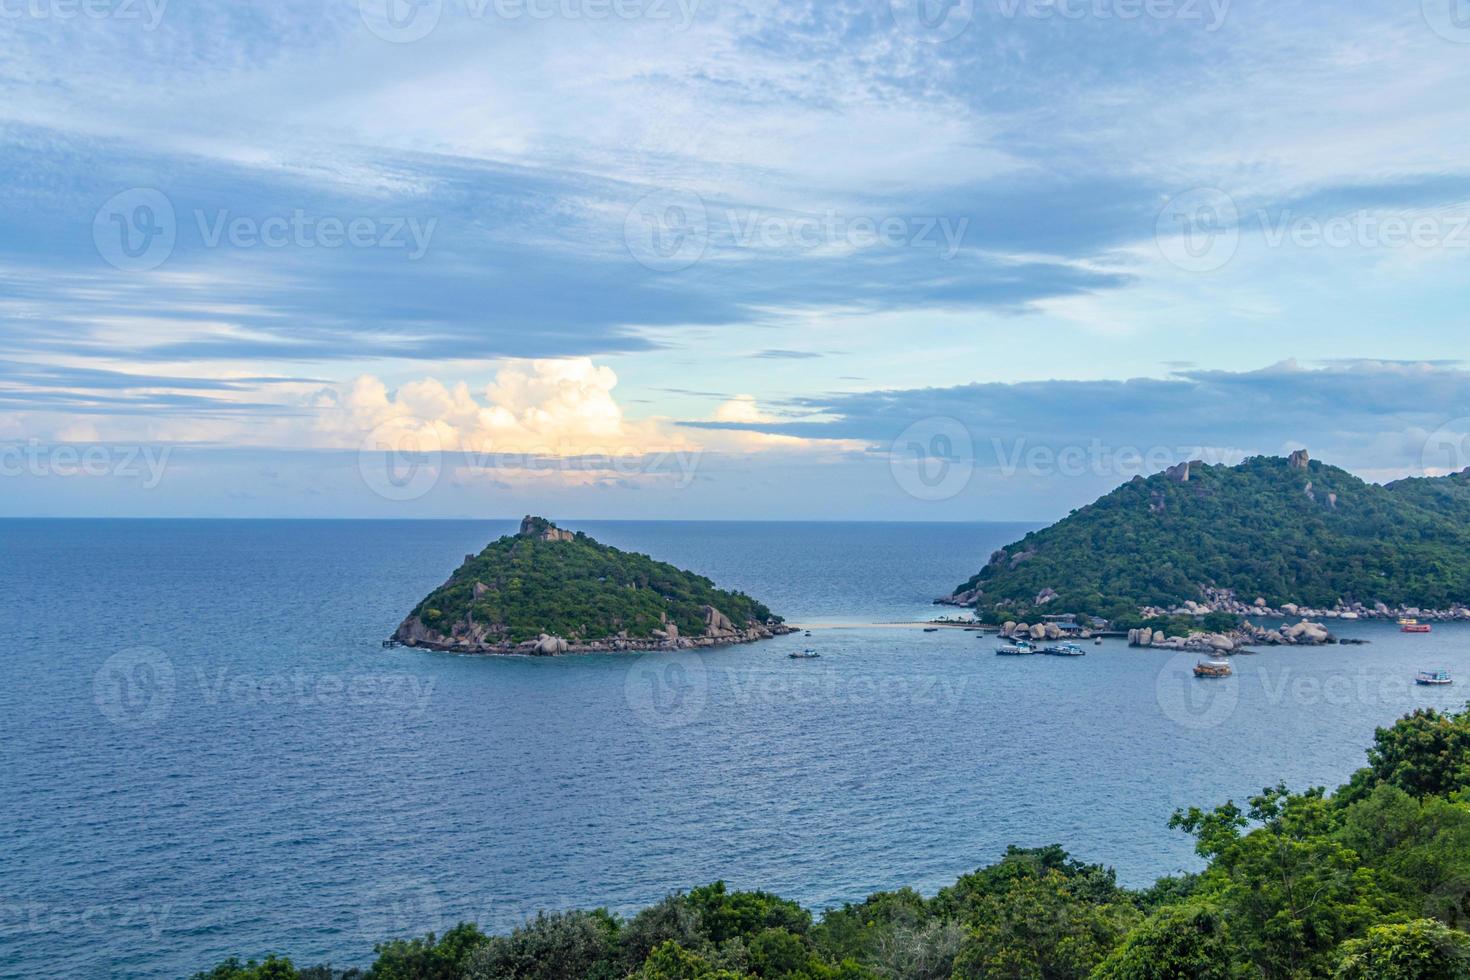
{"x":1413,"y":626}
{"x":1020,"y":648}
{"x":807,"y":654}
{"x":1064,"y":650}
{"x":931,"y":629}
{"x":1212,"y":668}
{"x":1433,"y":678}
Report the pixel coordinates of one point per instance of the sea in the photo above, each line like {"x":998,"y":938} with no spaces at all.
{"x":206,"y":751}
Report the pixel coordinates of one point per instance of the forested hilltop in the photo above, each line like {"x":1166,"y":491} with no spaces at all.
{"x":1279,"y":530}
{"x":1369,"y":883}
{"x":546,"y":590}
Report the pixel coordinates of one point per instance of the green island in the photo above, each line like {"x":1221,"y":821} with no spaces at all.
{"x":546,"y":590}
{"x":1271,"y":537}
{"x":1371,"y":882}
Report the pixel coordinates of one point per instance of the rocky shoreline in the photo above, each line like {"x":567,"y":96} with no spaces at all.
{"x":474,"y":638}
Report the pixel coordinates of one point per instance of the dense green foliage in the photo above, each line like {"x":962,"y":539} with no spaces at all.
{"x":1265,"y":529}
{"x":1369,"y":883}
{"x":580,"y":590}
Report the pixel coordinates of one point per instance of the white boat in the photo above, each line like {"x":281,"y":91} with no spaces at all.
{"x":1065,"y":650}
{"x":1433,"y":677}
{"x":807,"y":654}
{"x":1020,"y":648}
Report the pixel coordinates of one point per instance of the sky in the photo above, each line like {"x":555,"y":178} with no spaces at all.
{"x":709,"y":259}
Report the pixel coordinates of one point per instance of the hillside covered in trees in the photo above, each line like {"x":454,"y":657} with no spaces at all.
{"x":1283,"y":530}
{"x":1371,"y":882}
{"x":549,"y":590}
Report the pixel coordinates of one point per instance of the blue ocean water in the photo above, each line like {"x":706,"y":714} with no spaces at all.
{"x":205,"y":751}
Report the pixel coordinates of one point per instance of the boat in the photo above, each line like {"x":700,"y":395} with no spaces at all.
{"x":1433,"y":677}
{"x":1065,"y":650}
{"x":1413,"y":626}
{"x":1097,"y":642}
{"x":1212,"y":668}
{"x":1020,"y":648}
{"x":807,"y":654}
{"x":931,"y":629}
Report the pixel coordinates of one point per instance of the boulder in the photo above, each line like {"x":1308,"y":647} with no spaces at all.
{"x":547,"y":646}
{"x":715,"y":621}
{"x":1158,"y":636}
{"x":480,"y":589}
{"x":1038,"y":632}
{"x":1298,"y":460}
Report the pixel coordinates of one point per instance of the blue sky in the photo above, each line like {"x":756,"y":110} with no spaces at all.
{"x":688,"y":258}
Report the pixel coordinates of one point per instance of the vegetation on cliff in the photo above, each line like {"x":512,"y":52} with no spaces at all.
{"x":1369,"y":883}
{"x":546,"y":580}
{"x":1283,"y":530}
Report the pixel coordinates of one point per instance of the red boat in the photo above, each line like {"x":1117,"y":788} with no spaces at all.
{"x":1413,"y":626}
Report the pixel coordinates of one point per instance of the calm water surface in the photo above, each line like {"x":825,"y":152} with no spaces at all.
{"x":205,"y":751}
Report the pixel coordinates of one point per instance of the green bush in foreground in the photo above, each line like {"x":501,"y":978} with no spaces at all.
{"x":1369,"y":883}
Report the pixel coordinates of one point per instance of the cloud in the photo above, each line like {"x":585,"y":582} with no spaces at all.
{"x":1369,"y":415}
